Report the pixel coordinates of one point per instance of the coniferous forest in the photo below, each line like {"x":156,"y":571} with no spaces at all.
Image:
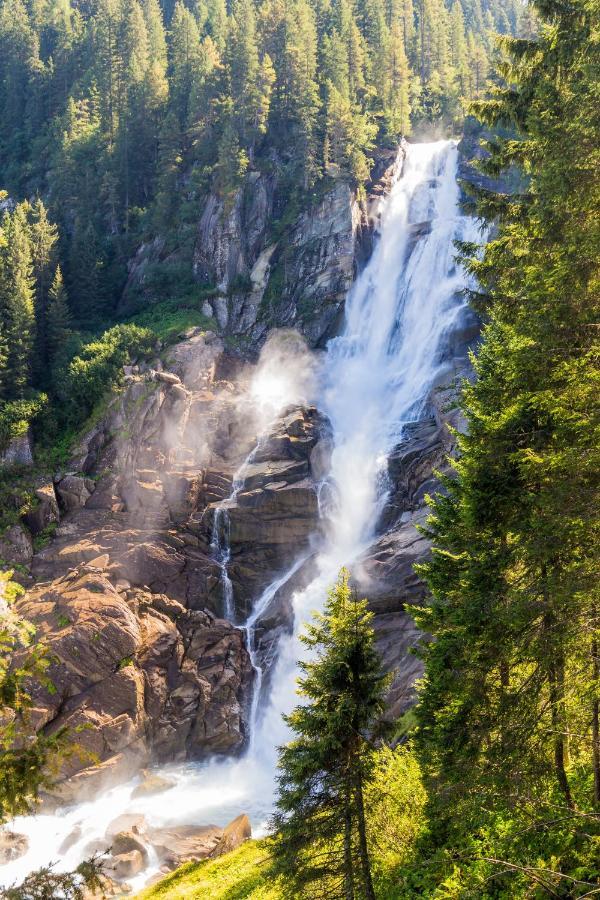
{"x":118,"y":120}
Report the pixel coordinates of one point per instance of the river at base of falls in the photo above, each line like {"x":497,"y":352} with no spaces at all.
{"x":374,"y":380}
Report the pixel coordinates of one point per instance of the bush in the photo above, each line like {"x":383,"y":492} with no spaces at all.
{"x":16,"y":417}
{"x":98,"y":367}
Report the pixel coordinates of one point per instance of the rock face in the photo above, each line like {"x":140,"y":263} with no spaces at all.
{"x":266,"y":274}
{"x":17,"y":453}
{"x":386,"y":572}
{"x":129,"y":596}
{"x":135,"y":676}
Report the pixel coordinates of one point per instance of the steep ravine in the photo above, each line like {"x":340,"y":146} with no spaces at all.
{"x":129,"y":593}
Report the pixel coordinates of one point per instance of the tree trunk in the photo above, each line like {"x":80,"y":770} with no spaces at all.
{"x":595,"y":711}
{"x":348,"y":873}
{"x":362,"y":838}
{"x":558,"y":726}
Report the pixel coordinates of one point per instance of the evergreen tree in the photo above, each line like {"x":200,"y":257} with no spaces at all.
{"x":58,"y":319}
{"x":43,"y":239}
{"x":509,"y":707}
{"x":321,"y":844}
{"x":17,"y":302}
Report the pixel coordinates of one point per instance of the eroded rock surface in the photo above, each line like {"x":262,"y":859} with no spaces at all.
{"x":129,"y":596}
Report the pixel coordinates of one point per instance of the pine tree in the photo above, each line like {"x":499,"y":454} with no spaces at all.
{"x":321,"y":842}
{"x":508,"y":718}
{"x":43,"y":239}
{"x":17,"y":315}
{"x":58,"y":318}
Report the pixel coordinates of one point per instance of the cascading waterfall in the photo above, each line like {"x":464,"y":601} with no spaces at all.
{"x":376,"y":378}
{"x":220,"y":543}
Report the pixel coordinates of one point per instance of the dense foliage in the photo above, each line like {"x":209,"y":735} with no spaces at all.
{"x":123,"y":113}
{"x":509,"y":712}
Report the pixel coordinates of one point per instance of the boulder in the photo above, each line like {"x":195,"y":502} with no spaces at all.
{"x":45,"y":512}
{"x":12,"y":846}
{"x":74,"y":491}
{"x":152,"y":784}
{"x":126,"y":842}
{"x":16,"y":546}
{"x":125,"y":865}
{"x":184,"y":843}
{"x":234,"y":834}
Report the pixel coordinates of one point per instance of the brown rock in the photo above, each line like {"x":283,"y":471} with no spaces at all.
{"x":234,"y":834}
{"x":152,"y":784}
{"x":126,"y":842}
{"x":182,"y":844}
{"x":125,"y":865}
{"x":46,"y":510}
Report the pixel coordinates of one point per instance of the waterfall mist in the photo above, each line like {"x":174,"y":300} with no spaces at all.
{"x":373,"y":380}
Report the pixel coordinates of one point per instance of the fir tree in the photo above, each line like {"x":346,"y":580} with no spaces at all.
{"x":17,"y":302}
{"x":321,"y":843}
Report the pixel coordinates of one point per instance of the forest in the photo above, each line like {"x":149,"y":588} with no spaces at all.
{"x":119,"y":118}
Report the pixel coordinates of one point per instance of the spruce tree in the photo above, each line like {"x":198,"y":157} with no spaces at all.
{"x":321,"y":847}
{"x":17,"y":302}
{"x":58,"y":319}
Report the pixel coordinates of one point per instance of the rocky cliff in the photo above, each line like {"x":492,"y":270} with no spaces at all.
{"x":269,"y":262}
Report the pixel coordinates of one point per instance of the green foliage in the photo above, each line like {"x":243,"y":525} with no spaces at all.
{"x":321,"y":844}
{"x":97,"y":366}
{"x":16,"y":417}
{"x":509,"y":732}
{"x":45,"y":884}
{"x":25,"y":761}
{"x":171,"y":318}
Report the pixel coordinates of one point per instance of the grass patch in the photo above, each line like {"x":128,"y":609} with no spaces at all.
{"x":169,"y":318}
{"x":240,"y":875}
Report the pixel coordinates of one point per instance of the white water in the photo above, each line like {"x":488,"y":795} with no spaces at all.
{"x":376,"y":378}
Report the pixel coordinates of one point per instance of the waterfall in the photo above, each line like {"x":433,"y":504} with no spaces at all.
{"x":376,"y":378}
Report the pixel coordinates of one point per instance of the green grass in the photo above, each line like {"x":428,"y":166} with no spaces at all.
{"x":240,"y":875}
{"x":168,"y":318}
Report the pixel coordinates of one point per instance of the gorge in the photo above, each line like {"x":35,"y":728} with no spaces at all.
{"x":173,"y":596}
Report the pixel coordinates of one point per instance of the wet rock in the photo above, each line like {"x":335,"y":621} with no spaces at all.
{"x":125,"y":865}
{"x":127,"y":822}
{"x":12,"y":846}
{"x":125,"y":842}
{"x":152,"y":784}
{"x":177,"y":845}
